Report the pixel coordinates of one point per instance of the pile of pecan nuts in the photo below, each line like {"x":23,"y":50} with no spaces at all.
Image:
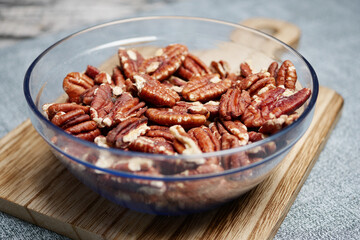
{"x":173,"y":103}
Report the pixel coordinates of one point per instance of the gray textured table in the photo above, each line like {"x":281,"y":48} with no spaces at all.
{"x":328,"y":205}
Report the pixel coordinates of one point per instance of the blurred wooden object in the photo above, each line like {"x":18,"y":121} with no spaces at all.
{"x":282,"y":30}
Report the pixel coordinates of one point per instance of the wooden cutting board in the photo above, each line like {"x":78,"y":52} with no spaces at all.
{"x":34,"y":186}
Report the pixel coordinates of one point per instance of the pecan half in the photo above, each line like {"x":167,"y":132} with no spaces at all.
{"x":172,"y":50}
{"x":183,"y":143}
{"x":272,"y":69}
{"x":101,"y":105}
{"x":75,"y":83}
{"x":53,"y":108}
{"x":153,"y":92}
{"x":272,"y":126}
{"x":288,"y":104}
{"x":245,"y":70}
{"x":130,"y":61}
{"x":126,"y":132}
{"x":206,"y":141}
{"x":168,"y":117}
{"x":160,"y":131}
{"x":119,"y":81}
{"x":205,"y":88}
{"x":233,"y":103}
{"x":88,"y":96}
{"x":152,"y":145}
{"x":125,"y":107}
{"x":234,"y":160}
{"x":191,"y":107}
{"x":76,"y":122}
{"x":160,"y":67}
{"x":246,"y":83}
{"x":192,"y":66}
{"x":286,"y":75}
{"x":92,"y":71}
{"x":221,"y":67}
{"x":238,"y":129}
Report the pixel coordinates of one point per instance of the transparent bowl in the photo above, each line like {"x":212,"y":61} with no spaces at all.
{"x":163,"y":194}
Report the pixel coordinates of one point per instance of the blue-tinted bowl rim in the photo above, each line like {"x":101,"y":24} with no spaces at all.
{"x":119,"y":152}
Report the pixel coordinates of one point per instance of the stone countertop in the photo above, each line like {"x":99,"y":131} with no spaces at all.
{"x":327,"y":206}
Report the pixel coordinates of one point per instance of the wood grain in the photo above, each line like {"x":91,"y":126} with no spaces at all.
{"x":34,"y":186}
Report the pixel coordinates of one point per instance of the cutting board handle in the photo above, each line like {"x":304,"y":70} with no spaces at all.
{"x":282,"y":30}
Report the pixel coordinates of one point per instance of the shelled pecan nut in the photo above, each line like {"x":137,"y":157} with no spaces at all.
{"x":160,"y":131}
{"x":53,"y":108}
{"x":245,"y":70}
{"x":157,"y":145}
{"x":233,"y":104}
{"x":206,"y":141}
{"x":168,"y":117}
{"x":286,"y":75}
{"x":130,"y":61}
{"x":192,"y":66}
{"x":126,"y":132}
{"x":235,"y":160}
{"x":75,"y":83}
{"x":153,"y":92}
{"x":205,"y":88}
{"x":221,"y":67}
{"x":101,"y":105}
{"x":126,"y":106}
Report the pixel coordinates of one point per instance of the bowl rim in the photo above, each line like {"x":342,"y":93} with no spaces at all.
{"x":118,"y":152}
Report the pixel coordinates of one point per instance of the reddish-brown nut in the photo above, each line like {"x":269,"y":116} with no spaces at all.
{"x":252,"y":117}
{"x":125,"y":107}
{"x":92,"y":71}
{"x":238,"y":129}
{"x":103,"y":77}
{"x":213,"y":108}
{"x":88,"y":96}
{"x":168,"y":117}
{"x":191,"y":107}
{"x":272,"y":69}
{"x":118,"y":80}
{"x":255,"y":136}
{"x":261,"y":86}
{"x":234,"y":160}
{"x":70,"y":118}
{"x":153,"y":92}
{"x":246,"y":83}
{"x":75,"y":83}
{"x":130,"y":61}
{"x":54,"y":108}
{"x":160,"y":131}
{"x":161,"y":67}
{"x":126,"y":132}
{"x":102,"y":105}
{"x":288,"y":104}
{"x":183,"y":143}
{"x":221,"y":67}
{"x":192,"y":66}
{"x":206,"y":141}
{"x":152,"y":145}
{"x":172,"y":50}
{"x":233,"y":103}
{"x":76,"y":122}
{"x":205,"y":88}
{"x":286,"y":75}
{"x":272,"y":126}
{"x":245,"y":70}
{"x":85,"y":130}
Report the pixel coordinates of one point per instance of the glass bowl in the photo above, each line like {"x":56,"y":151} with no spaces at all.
{"x":163,"y":194}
